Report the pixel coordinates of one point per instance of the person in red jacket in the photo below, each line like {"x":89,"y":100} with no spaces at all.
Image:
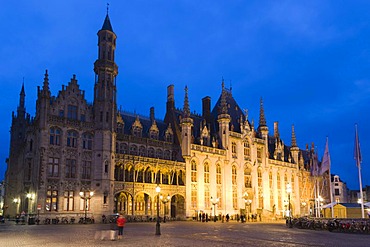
{"x":120,"y":223}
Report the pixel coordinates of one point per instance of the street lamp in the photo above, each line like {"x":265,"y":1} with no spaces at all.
{"x":214,"y":202}
{"x":164,"y":201}
{"x":289,"y":191}
{"x":158,"y":225}
{"x":86,"y":196}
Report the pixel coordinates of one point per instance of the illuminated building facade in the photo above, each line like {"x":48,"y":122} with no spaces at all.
{"x":216,"y":162}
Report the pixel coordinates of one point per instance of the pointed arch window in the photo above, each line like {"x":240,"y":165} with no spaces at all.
{"x":234,"y":175}
{"x":72,"y":139}
{"x":218,"y":174}
{"x":206,"y":173}
{"x":247,"y":151}
{"x":55,"y":134}
{"x":233,"y":149}
{"x":247,"y":177}
{"x":87,"y":141}
{"x":193,"y":171}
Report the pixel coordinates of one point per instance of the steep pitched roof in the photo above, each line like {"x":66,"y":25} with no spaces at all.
{"x":106,"y":24}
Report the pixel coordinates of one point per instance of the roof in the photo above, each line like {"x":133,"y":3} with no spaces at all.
{"x":106,"y":24}
{"x":351,"y":205}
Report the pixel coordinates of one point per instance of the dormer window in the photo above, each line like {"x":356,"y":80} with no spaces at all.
{"x":137,"y":128}
{"x":169,"y":134}
{"x":153,"y":131}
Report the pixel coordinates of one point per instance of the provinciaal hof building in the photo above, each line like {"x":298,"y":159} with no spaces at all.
{"x":75,"y":158}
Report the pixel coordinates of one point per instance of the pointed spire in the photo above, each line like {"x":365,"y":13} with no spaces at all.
{"x":107,"y":25}
{"x":262,"y":114}
{"x":294,"y":140}
{"x":186,"y":104}
{"x":22,"y":95}
{"x":223,"y":104}
{"x":45,"y":86}
{"x":21,"y":110}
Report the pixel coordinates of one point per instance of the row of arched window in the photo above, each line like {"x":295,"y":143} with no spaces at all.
{"x":129,"y":174}
{"x":73,"y":139}
{"x":141,"y":150}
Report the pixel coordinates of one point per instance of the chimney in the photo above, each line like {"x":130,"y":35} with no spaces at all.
{"x":170,"y":98}
{"x":206,"y":107}
{"x":276,"y":130}
{"x":152,"y":114}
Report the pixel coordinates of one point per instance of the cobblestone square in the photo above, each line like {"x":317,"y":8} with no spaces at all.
{"x":176,"y":234}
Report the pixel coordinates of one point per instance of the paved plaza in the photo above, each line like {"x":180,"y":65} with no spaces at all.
{"x":176,"y":234}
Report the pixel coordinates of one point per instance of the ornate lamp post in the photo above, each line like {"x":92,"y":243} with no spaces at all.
{"x":158,"y":225}
{"x":289,"y":191}
{"x":86,"y":196}
{"x":164,"y":201}
{"x":214,"y":202}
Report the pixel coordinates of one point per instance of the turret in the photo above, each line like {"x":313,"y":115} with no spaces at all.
{"x":294,"y":148}
{"x":186,"y":125}
{"x":106,"y":71}
{"x":262,"y":128}
{"x":223,"y":119}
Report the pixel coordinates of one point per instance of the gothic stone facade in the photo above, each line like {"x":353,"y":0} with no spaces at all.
{"x":214,"y":163}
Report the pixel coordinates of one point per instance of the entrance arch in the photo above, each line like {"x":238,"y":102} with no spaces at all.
{"x":178,"y":209}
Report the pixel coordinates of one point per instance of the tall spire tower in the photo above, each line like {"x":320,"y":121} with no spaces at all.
{"x":106,"y":71}
{"x":262,"y":127}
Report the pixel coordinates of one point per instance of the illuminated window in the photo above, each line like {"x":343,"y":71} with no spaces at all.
{"x":235,"y":197}
{"x":206,"y":173}
{"x":247,"y":151}
{"x":68,"y":200}
{"x":218,"y":174}
{"x":247,"y":177}
{"x":207,"y":202}
{"x":51,"y":202}
{"x":233,"y":174}
{"x":233,"y":149}
{"x":193,"y":198}
{"x":193,"y":171}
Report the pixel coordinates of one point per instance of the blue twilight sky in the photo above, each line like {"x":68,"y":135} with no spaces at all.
{"x":309,"y":60}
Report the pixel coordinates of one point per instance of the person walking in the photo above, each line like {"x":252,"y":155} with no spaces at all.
{"x":121,"y":224}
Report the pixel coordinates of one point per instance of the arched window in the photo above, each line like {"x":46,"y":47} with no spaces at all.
{"x":133,"y":149}
{"x":233,"y":171}
{"x":218,"y":174}
{"x":206,"y":173}
{"x":233,"y":149}
{"x":142,"y":151}
{"x":247,"y":151}
{"x":193,"y":171}
{"x":247,"y":177}
{"x":87,"y":141}
{"x":55,"y":136}
{"x":72,"y":139}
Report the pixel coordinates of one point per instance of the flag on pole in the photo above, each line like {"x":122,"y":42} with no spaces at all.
{"x":357,"y":153}
{"x":325,"y":163}
{"x":314,"y":166}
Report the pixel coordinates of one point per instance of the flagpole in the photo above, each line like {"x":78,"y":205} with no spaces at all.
{"x":330,"y":185}
{"x":358,"y":163}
